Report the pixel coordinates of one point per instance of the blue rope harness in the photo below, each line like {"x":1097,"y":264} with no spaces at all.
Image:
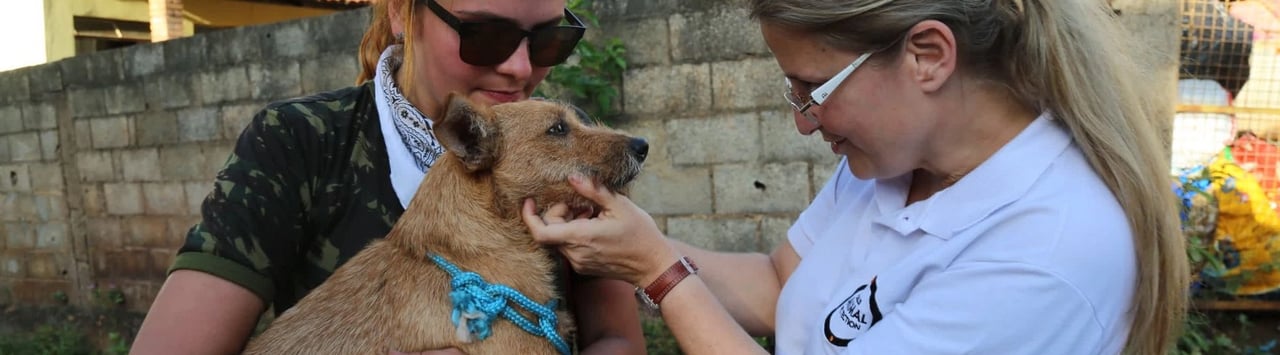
{"x":477,"y":303}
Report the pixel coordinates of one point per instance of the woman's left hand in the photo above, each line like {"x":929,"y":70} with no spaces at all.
{"x":621,"y":242}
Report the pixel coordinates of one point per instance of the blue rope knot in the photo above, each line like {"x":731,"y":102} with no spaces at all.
{"x":477,"y":303}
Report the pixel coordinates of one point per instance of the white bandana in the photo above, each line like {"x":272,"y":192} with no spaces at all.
{"x":413,"y":126}
{"x":411,"y":146}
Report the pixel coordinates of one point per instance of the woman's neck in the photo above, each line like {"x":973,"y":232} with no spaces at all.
{"x":988,"y":119}
{"x":419,"y":96}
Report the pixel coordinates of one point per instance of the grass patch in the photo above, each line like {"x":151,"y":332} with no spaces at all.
{"x":660,"y":341}
{"x":63,"y":339}
{"x":66,"y":330}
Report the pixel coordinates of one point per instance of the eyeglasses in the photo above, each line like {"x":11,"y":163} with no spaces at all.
{"x":819,"y":95}
{"x":490,"y":43}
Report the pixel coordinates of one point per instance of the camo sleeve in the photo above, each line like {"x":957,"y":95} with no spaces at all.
{"x":253,"y":220}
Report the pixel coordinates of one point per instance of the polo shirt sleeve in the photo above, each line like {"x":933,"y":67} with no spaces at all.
{"x":252,"y":220}
{"x":816,"y":217}
{"x":987,"y":308}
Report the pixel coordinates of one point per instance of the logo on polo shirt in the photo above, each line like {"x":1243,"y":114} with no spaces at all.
{"x":853,"y":316}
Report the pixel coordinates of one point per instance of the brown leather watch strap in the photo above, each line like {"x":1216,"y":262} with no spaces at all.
{"x":668,"y":280}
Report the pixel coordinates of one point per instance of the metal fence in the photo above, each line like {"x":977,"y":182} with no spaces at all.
{"x":1225,"y":134}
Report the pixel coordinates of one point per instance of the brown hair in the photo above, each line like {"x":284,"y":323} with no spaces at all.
{"x":1072,"y":59}
{"x":378,"y":37}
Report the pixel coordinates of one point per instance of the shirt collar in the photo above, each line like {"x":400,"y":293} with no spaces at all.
{"x":410,"y":150}
{"x":1012,"y":170}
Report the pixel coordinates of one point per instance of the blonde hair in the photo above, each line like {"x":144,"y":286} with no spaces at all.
{"x":379,"y":36}
{"x":1072,"y":59}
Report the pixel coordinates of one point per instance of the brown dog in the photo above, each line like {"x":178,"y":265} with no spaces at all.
{"x":392,"y":296}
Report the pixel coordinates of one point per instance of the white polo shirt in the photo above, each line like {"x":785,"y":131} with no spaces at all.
{"x":1029,"y":253}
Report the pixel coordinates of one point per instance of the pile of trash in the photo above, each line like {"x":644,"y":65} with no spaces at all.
{"x":1230,"y":217}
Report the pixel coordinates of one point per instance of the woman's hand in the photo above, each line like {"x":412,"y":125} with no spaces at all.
{"x":621,"y":242}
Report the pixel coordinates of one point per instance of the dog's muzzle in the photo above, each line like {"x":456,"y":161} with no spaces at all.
{"x":639,"y":148}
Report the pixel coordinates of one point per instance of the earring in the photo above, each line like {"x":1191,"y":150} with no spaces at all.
{"x":399,"y":37}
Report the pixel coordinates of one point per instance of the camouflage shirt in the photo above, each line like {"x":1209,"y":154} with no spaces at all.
{"x":306,"y":188}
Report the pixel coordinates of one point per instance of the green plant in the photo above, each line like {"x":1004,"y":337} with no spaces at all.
{"x":63,"y":339}
{"x":46,"y":340}
{"x":1211,"y":261}
{"x":6,"y":295}
{"x":116,"y":344}
{"x":60,"y":296}
{"x":1201,"y":337}
{"x":111,"y":297}
{"x":659,"y":340}
{"x":591,"y":77}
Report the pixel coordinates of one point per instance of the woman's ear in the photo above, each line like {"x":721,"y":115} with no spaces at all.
{"x":931,"y":51}
{"x":394,"y":8}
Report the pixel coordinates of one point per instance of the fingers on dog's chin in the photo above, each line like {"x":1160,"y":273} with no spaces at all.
{"x":561,"y":219}
{"x":558,"y":209}
{"x":529,"y":210}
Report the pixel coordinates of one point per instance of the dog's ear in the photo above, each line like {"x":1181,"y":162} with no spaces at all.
{"x":469,"y":132}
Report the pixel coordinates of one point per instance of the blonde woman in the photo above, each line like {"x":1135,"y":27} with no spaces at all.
{"x":1002,"y":191}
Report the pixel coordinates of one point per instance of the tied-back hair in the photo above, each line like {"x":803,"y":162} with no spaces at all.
{"x":1072,"y":59}
{"x":379,"y":36}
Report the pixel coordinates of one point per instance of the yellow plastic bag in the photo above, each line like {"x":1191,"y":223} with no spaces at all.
{"x":1247,"y":227}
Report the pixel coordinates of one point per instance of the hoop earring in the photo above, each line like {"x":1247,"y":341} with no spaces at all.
{"x":399,"y":37}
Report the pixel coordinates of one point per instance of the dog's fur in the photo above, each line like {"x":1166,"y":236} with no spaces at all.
{"x":467,"y":209}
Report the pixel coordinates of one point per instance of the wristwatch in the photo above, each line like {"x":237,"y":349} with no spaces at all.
{"x":651,"y":296}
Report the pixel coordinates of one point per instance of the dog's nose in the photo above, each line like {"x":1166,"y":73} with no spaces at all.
{"x":639,"y":147}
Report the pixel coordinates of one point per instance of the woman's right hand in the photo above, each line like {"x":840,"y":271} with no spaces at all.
{"x":621,"y":242}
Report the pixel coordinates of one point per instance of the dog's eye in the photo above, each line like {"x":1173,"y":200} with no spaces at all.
{"x":558,"y":129}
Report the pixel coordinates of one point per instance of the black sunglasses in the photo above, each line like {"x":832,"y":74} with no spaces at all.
{"x":490,"y":43}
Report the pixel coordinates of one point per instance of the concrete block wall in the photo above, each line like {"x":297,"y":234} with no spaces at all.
{"x":727,"y":169}
{"x":104,"y":158}
{"x":107,"y":157}
{"x":36,"y":250}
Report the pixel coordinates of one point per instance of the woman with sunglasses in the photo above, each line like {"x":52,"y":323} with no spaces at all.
{"x":313,"y":180}
{"x":1002,"y":191}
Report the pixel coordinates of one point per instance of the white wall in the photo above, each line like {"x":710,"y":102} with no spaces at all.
{"x":23,"y":44}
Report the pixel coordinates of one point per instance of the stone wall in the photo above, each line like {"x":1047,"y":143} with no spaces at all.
{"x":730,"y":170}
{"x":727,"y":169}
{"x":104,"y":159}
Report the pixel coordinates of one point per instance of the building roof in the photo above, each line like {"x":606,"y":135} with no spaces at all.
{"x":331,"y":4}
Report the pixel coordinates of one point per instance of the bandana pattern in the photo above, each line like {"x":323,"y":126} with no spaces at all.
{"x":414,"y":127}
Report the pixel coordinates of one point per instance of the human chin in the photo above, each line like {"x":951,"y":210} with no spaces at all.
{"x":861,"y":164}
{"x":494,"y":97}
{"x":861,"y":168}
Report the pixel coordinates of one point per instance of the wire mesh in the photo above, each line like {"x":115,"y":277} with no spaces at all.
{"x":1226,"y":128}
{"x":1215,"y":66}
